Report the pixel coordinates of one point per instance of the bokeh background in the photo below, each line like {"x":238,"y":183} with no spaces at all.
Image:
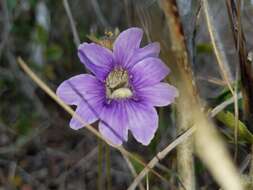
{"x":38,"y":150}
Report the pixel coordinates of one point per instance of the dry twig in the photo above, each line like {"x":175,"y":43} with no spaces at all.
{"x":72,"y":23}
{"x":223,"y":65}
{"x":208,"y":143}
{"x":161,"y":155}
{"x":133,"y":171}
{"x":67,"y":108}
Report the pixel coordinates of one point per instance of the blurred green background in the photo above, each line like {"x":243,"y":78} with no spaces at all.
{"x":38,"y":150}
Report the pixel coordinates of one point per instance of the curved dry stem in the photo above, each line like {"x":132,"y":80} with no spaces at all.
{"x":208,"y":143}
{"x":224,"y":104}
{"x":223,"y":64}
{"x":131,"y":167}
{"x":161,"y":155}
{"x":67,"y":108}
{"x":218,"y":50}
{"x":72,"y":23}
{"x":211,"y":149}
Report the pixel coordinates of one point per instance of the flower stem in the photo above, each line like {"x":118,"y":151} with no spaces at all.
{"x":108,"y":166}
{"x":100,"y":165}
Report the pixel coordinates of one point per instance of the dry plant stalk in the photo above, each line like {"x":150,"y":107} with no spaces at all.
{"x":72,"y":23}
{"x":67,"y":108}
{"x":245,"y":63}
{"x":223,"y":66}
{"x":186,"y":97}
{"x":161,"y":155}
{"x":131,"y":167}
{"x":208,"y":143}
{"x":246,"y":72}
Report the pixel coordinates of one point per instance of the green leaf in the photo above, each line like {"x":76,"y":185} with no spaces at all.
{"x":228,"y":119}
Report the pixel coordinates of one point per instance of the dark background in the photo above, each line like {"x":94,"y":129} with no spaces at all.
{"x":38,"y":150}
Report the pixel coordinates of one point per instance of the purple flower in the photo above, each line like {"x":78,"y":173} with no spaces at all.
{"x":124,"y":89}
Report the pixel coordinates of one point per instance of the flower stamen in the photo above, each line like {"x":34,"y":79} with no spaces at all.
{"x":117,"y":85}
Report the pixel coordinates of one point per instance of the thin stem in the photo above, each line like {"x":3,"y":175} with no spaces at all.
{"x":251,"y":167}
{"x":68,"y":109}
{"x":222,"y":62}
{"x":132,"y":170}
{"x":99,"y":14}
{"x":108,"y":166}
{"x":100,"y":165}
{"x":147,"y":182}
{"x":218,"y":50}
{"x":208,"y":145}
{"x":236,"y":111}
{"x":72,"y":23}
{"x":246,"y":73}
{"x":223,"y":105}
{"x":161,"y":155}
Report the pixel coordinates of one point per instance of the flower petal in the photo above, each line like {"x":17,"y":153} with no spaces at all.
{"x":149,"y":71}
{"x":113,"y":123}
{"x":126,"y":43}
{"x":142,"y":121}
{"x":79,"y":87}
{"x":161,"y":94}
{"x":85,"y":114}
{"x":96,"y":58}
{"x":151,"y":50}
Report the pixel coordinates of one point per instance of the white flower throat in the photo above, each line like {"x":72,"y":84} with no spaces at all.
{"x":117,"y":85}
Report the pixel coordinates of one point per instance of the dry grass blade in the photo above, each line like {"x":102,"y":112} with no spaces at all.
{"x":72,"y":23}
{"x":209,"y":145}
{"x":245,"y":62}
{"x":67,"y":108}
{"x":161,"y":155}
{"x":222,"y":62}
{"x":131,"y":167}
{"x":223,"y":105}
{"x":211,"y":149}
{"x":99,"y":14}
{"x":218,"y":50}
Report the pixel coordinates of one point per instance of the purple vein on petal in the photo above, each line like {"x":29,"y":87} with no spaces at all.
{"x":94,"y":111}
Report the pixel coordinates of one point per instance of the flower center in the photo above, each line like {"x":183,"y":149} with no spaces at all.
{"x":117,"y":85}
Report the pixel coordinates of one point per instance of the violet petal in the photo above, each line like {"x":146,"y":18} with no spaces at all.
{"x":96,"y":58}
{"x":126,"y":43}
{"x":84,"y":115}
{"x":161,"y":94}
{"x":150,"y":50}
{"x":79,"y":87}
{"x":143,"y":121}
{"x":113,"y":121}
{"x":149,"y":71}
